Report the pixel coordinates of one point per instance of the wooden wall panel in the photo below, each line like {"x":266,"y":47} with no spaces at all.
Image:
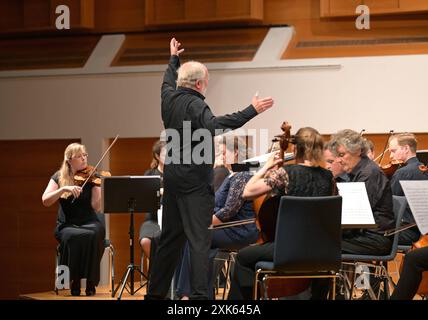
{"x":27,"y":243}
{"x":130,"y":156}
{"x":119,"y":16}
{"x":191,"y":12}
{"x":316,"y":37}
{"x":46,"y":53}
{"x":223,"y":45}
{"x":346,"y":8}
{"x":35,"y":16}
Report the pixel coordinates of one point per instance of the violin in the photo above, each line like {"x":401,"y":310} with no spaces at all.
{"x":423,"y":168}
{"x":90,"y":175}
{"x":390,"y":168}
{"x":82,"y":177}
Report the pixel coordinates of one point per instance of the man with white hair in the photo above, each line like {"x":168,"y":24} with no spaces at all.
{"x":188,"y":201}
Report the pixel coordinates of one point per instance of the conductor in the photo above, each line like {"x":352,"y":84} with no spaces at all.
{"x":188,"y":203}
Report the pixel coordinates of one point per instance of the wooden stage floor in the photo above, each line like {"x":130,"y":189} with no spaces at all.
{"x":103,"y":293}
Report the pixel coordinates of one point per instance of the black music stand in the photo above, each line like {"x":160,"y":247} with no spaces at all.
{"x":130,"y":194}
{"x":422,"y":156}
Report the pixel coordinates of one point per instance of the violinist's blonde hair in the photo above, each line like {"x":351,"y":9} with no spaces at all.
{"x":309,"y":146}
{"x":65,"y":177}
{"x":404,"y":139}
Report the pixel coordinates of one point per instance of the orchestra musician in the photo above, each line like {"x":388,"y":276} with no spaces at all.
{"x":402,"y":148}
{"x":78,"y":231}
{"x":332,"y":163}
{"x":415,"y":263}
{"x":150,"y":229}
{"x":188,"y":201}
{"x":370,"y":150}
{"x":351,"y":150}
{"x":305,"y":178}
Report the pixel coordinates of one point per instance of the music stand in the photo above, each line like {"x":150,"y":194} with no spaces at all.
{"x":130,"y":194}
{"x":422,"y":156}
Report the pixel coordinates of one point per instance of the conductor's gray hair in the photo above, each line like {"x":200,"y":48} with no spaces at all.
{"x":189,"y":73}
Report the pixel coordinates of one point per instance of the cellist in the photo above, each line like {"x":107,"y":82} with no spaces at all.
{"x":402,"y":148}
{"x":305,"y":178}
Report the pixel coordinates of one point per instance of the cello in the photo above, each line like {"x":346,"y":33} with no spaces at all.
{"x":266,"y":208}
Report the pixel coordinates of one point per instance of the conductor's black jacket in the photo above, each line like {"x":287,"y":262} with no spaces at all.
{"x":182,"y":107}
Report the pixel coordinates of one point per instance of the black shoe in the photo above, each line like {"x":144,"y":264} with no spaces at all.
{"x":75,"y":288}
{"x":90,"y":288}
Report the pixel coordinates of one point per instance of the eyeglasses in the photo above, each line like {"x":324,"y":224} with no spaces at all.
{"x":83,"y":155}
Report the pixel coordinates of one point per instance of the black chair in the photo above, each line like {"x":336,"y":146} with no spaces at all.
{"x":107,"y":245}
{"x":378,"y":263}
{"x":307,"y":241}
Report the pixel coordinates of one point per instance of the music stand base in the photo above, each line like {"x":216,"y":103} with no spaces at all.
{"x":123,"y":282}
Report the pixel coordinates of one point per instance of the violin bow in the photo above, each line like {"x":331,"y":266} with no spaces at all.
{"x":98,"y":163}
{"x":232,"y":224}
{"x":402,"y":228}
{"x":386,"y":145}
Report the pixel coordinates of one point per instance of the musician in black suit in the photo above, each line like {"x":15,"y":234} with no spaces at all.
{"x":402,"y":148}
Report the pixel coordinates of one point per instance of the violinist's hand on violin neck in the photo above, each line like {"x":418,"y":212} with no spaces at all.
{"x":274,"y":161}
{"x":74,"y":190}
{"x":261,"y":104}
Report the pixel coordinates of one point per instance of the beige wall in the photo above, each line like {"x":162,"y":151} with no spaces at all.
{"x":376,"y":93}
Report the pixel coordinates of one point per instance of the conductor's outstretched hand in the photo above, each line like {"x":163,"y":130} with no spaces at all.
{"x":262,"y":104}
{"x":174,"y":47}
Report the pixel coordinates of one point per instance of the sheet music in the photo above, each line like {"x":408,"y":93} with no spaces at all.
{"x":416,"y":193}
{"x":356,"y":209}
{"x":159,"y":214}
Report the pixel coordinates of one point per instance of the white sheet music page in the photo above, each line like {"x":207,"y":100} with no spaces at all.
{"x":356,"y":207}
{"x":416,"y":193}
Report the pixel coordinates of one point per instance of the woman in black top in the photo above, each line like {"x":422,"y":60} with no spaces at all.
{"x":79,"y":232}
{"x":305,"y":178}
{"x":150,"y":227}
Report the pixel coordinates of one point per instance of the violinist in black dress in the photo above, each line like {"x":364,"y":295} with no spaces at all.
{"x":79,"y":232}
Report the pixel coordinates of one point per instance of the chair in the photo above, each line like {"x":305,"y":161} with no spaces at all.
{"x":307,"y":241}
{"x":227,"y":258}
{"x":107,"y":245}
{"x":377,"y":262}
